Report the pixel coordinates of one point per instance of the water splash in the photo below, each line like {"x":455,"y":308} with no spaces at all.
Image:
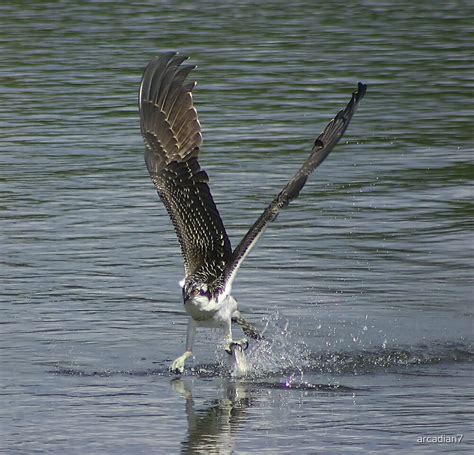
{"x":281,"y":352}
{"x":285,"y":353}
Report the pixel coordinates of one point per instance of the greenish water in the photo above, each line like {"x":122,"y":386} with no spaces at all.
{"x":364,"y":283}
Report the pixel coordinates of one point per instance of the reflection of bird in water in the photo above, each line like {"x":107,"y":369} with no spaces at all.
{"x":172,"y":135}
{"x":214,"y":424}
{"x":212,"y":429}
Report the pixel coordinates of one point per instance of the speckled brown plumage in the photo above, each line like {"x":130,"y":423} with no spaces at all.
{"x":172,"y":136}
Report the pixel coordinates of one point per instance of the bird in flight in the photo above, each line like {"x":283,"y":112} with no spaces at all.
{"x":172,"y":135}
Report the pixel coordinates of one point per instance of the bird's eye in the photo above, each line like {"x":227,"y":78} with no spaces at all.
{"x":196,"y":291}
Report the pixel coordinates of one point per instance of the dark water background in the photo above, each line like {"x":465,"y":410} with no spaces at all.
{"x":364,"y":284}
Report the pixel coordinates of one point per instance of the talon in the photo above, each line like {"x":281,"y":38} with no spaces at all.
{"x":176,"y":370}
{"x":177,"y":367}
{"x":242,"y":344}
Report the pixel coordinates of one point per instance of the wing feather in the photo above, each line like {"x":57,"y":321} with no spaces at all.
{"x":321,"y":149}
{"x":172,"y":136}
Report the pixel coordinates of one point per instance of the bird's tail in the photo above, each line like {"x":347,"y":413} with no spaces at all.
{"x":248,"y":328}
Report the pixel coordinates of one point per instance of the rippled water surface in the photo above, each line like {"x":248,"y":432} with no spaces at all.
{"x":363,"y":286}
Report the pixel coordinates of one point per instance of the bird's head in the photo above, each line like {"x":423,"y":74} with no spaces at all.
{"x":196,"y":291}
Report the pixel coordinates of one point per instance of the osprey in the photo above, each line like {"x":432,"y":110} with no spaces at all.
{"x":172,"y":136}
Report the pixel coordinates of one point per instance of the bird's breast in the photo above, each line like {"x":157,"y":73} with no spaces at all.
{"x":200,"y":308}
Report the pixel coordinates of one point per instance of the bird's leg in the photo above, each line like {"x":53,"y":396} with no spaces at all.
{"x":230,"y":343}
{"x":248,"y":328}
{"x":178,"y":365}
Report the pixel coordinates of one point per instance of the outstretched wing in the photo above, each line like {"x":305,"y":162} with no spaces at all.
{"x":321,"y":149}
{"x":172,"y":136}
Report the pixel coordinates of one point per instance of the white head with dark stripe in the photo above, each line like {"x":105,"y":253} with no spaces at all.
{"x":197,"y":291}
